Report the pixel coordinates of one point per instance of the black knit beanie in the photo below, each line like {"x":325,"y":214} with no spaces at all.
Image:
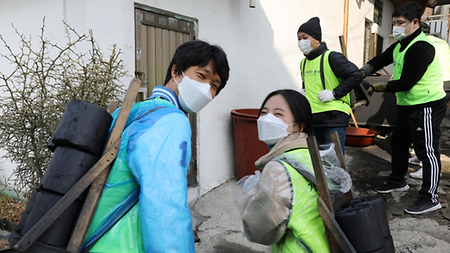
{"x":312,"y":27}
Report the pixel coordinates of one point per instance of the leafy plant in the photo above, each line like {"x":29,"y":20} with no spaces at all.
{"x":35,"y":94}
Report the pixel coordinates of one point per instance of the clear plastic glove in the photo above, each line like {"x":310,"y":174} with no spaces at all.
{"x":249,"y":182}
{"x":302,"y":91}
{"x":325,"y":96}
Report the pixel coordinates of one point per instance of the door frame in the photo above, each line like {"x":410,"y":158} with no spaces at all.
{"x":188,"y":27}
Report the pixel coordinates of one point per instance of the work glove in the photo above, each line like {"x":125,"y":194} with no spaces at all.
{"x":367,"y":70}
{"x":377,"y":87}
{"x":325,"y":96}
{"x":302,"y":91}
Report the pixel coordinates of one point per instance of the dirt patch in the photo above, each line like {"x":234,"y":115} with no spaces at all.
{"x":11,"y":211}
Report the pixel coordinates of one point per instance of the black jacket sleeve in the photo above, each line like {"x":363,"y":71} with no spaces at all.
{"x":416,"y":62}
{"x":384,"y":59}
{"x":347,"y":71}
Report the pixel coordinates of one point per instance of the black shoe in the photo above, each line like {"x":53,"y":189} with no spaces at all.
{"x":392,"y":186}
{"x":423,"y":205}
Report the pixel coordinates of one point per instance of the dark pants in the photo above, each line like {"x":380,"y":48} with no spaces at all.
{"x":421,"y":127}
{"x":322,"y":135}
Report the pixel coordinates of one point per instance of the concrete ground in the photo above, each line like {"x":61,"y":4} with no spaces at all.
{"x":218,"y":226}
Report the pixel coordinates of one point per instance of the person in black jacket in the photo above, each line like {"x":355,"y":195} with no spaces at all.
{"x":328,"y":77}
{"x":421,"y":105}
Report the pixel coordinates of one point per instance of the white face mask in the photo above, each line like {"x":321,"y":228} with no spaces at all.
{"x":305,"y":46}
{"x":271,"y":129}
{"x":193,"y":95}
{"x":399,"y":32}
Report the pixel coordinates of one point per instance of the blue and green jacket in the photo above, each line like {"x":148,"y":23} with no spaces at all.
{"x":146,"y":191}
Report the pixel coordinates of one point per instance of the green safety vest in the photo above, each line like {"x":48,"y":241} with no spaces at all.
{"x":305,"y":231}
{"x":443,"y":55}
{"x":311,"y":75}
{"x":429,"y":88}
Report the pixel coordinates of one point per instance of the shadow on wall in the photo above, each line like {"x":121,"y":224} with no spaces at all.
{"x":262,"y":65}
{"x":261,"y":70}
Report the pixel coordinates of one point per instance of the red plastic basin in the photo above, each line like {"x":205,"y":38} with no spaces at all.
{"x":359,"y":137}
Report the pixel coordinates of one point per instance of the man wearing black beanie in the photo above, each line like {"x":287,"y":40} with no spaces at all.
{"x":328,"y":77}
{"x":312,"y":27}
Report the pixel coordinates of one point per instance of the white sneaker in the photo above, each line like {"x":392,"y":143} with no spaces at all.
{"x":418,"y":174}
{"x":415,"y":161}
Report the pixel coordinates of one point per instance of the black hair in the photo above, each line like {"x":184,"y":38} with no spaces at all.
{"x":200,"y":53}
{"x":408,"y":10}
{"x":298,"y":104}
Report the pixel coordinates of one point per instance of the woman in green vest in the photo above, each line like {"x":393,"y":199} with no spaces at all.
{"x":279,"y":206}
{"x":328,"y":77}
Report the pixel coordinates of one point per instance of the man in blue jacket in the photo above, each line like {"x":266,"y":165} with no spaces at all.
{"x":144,"y":207}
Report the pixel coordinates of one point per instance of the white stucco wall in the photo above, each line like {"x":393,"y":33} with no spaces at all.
{"x":261,"y":44}
{"x":386,"y":30}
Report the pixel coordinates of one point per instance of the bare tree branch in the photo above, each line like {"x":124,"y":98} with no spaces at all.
{"x":44,"y":79}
